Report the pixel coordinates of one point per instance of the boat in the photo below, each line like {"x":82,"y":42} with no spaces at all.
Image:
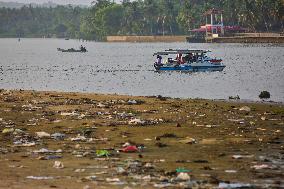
{"x":73,"y":50}
{"x":187,"y":60}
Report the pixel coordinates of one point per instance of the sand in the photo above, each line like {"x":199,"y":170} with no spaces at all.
{"x":212,"y":143}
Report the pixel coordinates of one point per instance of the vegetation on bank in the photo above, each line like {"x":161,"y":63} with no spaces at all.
{"x":140,"y":17}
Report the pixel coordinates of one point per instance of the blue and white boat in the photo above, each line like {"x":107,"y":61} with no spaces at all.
{"x":187,"y":61}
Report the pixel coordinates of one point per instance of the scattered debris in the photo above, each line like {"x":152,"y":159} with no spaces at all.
{"x":43,"y":134}
{"x":58,"y":165}
{"x":39,"y":177}
{"x":245,"y":108}
{"x":223,"y":140}
{"x":183,"y":176}
{"x":224,"y":185}
{"x":102,"y":153}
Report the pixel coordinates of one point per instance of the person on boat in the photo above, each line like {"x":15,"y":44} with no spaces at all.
{"x":159,"y":60}
{"x":188,"y":58}
{"x":179,"y":59}
{"x":82,"y":48}
{"x":195,"y":58}
{"x":170,"y":60}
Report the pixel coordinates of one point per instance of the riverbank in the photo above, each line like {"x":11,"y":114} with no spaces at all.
{"x":79,"y":140}
{"x":245,"y":39}
{"x":237,"y":38}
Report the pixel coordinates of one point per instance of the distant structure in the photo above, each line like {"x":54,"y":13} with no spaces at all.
{"x":214,"y":26}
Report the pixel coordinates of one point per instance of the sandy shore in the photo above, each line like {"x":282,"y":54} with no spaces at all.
{"x":75,"y":140}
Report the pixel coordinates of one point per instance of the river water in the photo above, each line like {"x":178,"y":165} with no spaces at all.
{"x":127,"y":68}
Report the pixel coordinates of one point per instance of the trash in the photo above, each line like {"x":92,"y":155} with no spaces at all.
{"x":230,"y":171}
{"x":163,"y":185}
{"x":45,"y":150}
{"x":49,"y":157}
{"x":188,"y":140}
{"x":101,"y":105}
{"x":245,"y":108}
{"x":120,"y":170}
{"x":58,"y":165}
{"x":42,"y":134}
{"x":182,"y":170}
{"x":224,"y":185}
{"x":58,"y":136}
{"x":8,"y":130}
{"x":101,"y":153}
{"x":263,"y":118}
{"x":242,"y":156}
{"x":149,"y":165}
{"x":126,"y":144}
{"x":132,"y":102}
{"x":262,"y":166}
{"x":264,"y":94}
{"x":128,"y":149}
{"x":69,"y":114}
{"x":136,"y":121}
{"x":79,"y":138}
{"x":183,"y":176}
{"x":24,"y":144}
{"x":93,"y":177}
{"x":79,"y":170}
{"x":112,"y":179}
{"x":39,"y":177}
{"x":147,"y":139}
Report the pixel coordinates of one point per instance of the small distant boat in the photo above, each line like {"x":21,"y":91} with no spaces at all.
{"x":187,"y":60}
{"x":82,"y":49}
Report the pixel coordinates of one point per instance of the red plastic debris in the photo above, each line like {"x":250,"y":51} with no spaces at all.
{"x":130,"y":149}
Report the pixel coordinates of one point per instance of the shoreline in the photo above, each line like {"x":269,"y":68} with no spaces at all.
{"x":174,"y":39}
{"x":185,"y":38}
{"x":242,"y":101}
{"x":182,"y":142}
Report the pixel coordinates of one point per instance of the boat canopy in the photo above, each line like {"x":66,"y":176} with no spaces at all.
{"x":180,"y":51}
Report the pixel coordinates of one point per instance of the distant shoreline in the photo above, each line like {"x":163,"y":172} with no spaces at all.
{"x":184,"y":38}
{"x":172,"y":39}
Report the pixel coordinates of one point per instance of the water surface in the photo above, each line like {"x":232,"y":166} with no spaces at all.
{"x":127,"y":68}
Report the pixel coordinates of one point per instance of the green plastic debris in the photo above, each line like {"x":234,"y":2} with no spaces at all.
{"x":101,"y":153}
{"x":8,"y":130}
{"x":182,"y":170}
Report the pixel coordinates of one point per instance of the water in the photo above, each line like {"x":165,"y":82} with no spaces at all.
{"x":127,"y":68}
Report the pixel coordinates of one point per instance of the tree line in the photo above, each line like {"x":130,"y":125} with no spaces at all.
{"x":140,"y":17}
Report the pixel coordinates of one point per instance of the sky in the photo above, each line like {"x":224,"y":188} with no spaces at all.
{"x":64,"y":2}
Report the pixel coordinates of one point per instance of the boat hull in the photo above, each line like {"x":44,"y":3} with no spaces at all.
{"x":71,"y":50}
{"x":191,"y":68}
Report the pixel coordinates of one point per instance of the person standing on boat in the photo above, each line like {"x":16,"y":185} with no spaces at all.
{"x":179,"y":58}
{"x":159,"y":59}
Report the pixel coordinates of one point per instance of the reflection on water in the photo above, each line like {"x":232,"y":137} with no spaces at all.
{"x":126,"y":68}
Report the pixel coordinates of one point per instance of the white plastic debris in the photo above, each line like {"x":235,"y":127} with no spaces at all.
{"x":245,"y":108}
{"x":136,"y":121}
{"x":58,"y":165}
{"x":79,"y":138}
{"x":183,"y":176}
{"x":43,"y":134}
{"x":39,"y":177}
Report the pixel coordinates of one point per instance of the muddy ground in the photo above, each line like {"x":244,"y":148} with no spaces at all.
{"x":75,"y":140}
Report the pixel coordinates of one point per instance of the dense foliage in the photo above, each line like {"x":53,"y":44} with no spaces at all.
{"x":140,"y":17}
{"x":28,"y":21}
